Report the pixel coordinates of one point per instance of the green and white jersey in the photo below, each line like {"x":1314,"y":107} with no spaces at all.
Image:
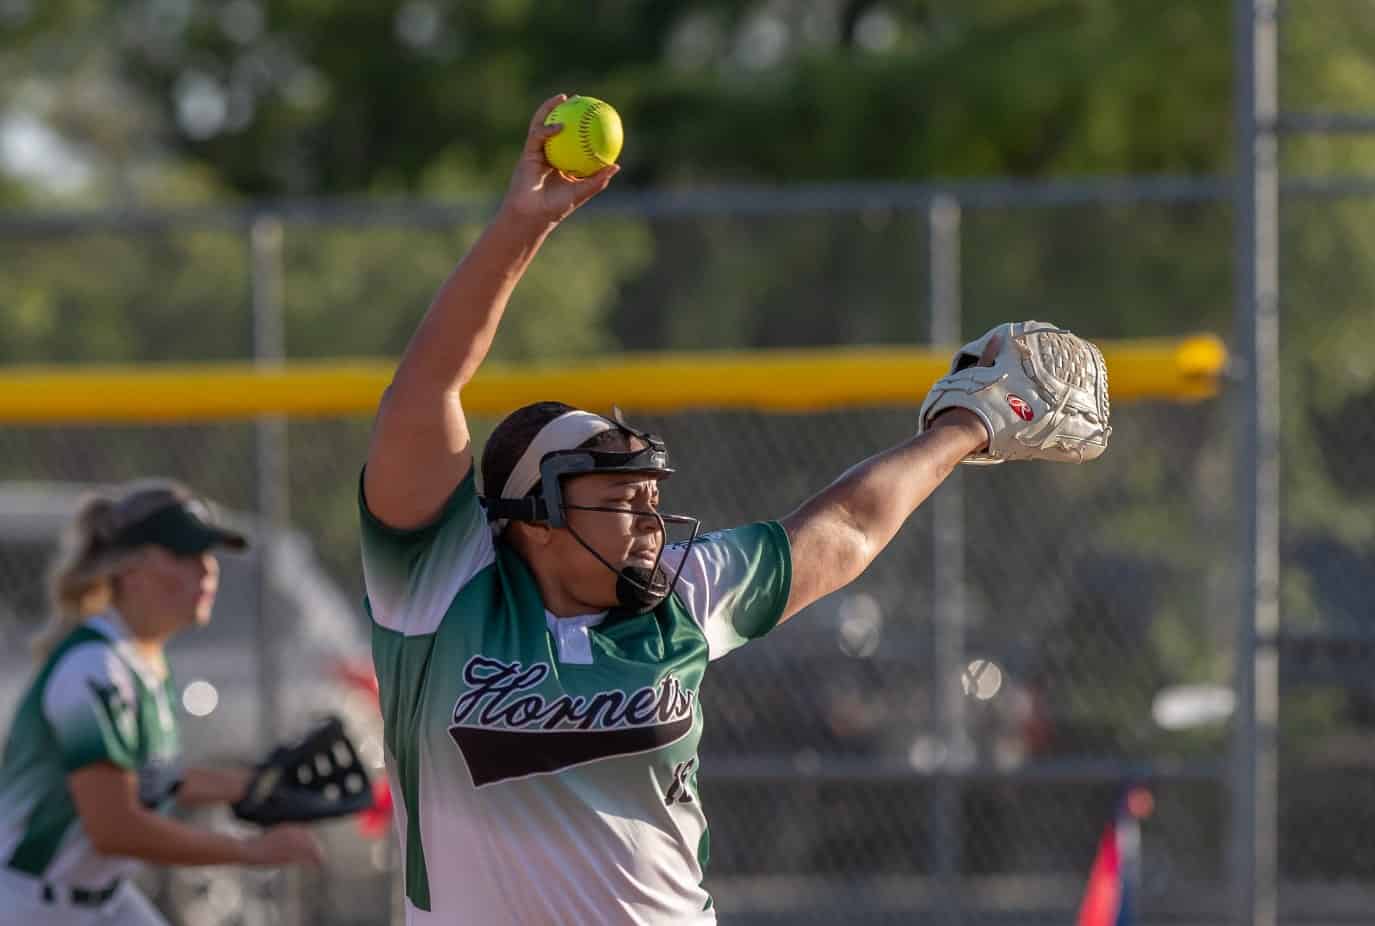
{"x":544,"y":770}
{"x":93,"y":700}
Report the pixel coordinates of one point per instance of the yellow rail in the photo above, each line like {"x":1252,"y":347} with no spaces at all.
{"x":1176,"y":369}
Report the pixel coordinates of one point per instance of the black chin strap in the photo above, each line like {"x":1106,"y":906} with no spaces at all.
{"x":633,"y":595}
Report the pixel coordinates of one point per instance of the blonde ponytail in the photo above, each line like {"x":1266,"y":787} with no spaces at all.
{"x":81,"y":577}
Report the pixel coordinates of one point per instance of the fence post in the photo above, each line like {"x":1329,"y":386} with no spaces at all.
{"x":1254,"y":760}
{"x":269,"y":350}
{"x":947,"y":578}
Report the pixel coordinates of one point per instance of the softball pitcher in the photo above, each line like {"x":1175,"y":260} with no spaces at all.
{"x":91,"y":760}
{"x":541,"y":648}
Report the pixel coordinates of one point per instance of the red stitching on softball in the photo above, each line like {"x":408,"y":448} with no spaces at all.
{"x":585,"y":133}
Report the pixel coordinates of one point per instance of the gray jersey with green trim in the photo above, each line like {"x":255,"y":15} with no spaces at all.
{"x":93,"y":700}
{"x":544,"y":770}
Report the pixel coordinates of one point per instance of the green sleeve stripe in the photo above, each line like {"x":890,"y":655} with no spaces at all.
{"x":91,"y":718}
{"x":412,"y":576}
{"x":739,"y":583}
{"x":47,"y":825}
{"x":779,"y":576}
{"x":91,"y":752}
{"x":402,"y":663}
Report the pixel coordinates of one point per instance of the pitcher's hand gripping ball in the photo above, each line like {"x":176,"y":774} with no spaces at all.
{"x":1044,"y":398}
{"x":317,"y":777}
{"x":591,"y":137}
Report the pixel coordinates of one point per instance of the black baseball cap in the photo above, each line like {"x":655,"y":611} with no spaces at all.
{"x":184,"y":527}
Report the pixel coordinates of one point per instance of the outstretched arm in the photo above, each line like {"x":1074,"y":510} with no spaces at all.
{"x":420,"y":447}
{"x":838,"y":532}
{"x":117,"y":823}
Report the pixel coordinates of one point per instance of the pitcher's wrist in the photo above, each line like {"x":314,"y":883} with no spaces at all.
{"x":969,"y":425}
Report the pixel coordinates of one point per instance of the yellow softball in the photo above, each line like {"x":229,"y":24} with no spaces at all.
{"x":591,"y":137}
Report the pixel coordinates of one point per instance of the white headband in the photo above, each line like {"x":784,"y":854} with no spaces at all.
{"x":566,"y":432}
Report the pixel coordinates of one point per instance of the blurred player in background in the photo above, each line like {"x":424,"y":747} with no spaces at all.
{"x":540,"y":649}
{"x":91,"y":763}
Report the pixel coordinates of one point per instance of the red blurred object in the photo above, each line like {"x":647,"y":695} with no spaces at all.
{"x":1102,"y":903}
{"x":374,"y":821}
{"x":1110,"y":897}
{"x":1140,"y":803}
{"x":358,"y":675}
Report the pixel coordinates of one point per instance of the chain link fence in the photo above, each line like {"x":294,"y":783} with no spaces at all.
{"x":866,"y":762}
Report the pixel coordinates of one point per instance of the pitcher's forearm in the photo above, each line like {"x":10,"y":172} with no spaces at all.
{"x":421,"y":447}
{"x":880,"y":494}
{"x":838,"y":532}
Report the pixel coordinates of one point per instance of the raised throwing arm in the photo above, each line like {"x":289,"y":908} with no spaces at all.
{"x":420,"y":448}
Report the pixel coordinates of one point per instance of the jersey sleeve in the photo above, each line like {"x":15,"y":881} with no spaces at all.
{"x":412,"y":576}
{"x":735,"y":583}
{"x":91,"y":705}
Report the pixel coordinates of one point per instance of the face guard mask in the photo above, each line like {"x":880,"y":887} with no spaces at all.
{"x":639,"y":589}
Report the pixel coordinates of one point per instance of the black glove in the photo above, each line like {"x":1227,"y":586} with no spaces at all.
{"x":316,"y":777}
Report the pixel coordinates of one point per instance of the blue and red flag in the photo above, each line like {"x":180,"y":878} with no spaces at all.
{"x":1115,"y":879}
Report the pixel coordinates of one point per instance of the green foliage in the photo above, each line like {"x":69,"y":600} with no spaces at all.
{"x":361,"y":292}
{"x":301,"y":96}
{"x":118,"y":298}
